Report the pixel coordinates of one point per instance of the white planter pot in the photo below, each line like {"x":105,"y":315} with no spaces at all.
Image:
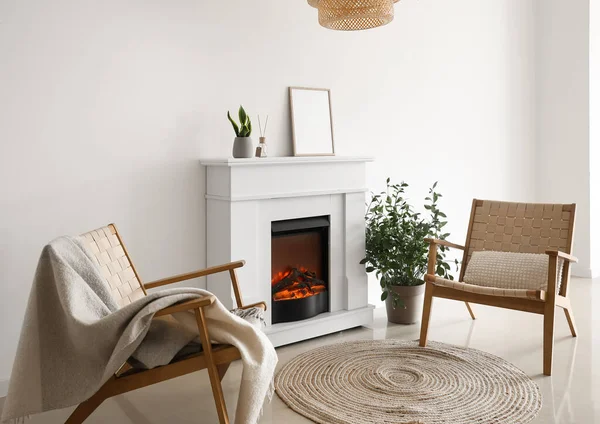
{"x":243,"y":147}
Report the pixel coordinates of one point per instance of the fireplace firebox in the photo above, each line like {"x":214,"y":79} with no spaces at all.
{"x":299,"y":268}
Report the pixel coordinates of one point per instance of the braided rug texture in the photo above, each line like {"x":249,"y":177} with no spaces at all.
{"x":393,"y":381}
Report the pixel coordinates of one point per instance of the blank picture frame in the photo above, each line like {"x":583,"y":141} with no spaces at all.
{"x":312,"y":123}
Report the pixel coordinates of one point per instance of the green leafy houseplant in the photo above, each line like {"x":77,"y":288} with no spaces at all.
{"x":244,"y":129}
{"x":395,"y":246}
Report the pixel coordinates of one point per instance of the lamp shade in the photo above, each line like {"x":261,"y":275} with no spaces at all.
{"x":354,"y":15}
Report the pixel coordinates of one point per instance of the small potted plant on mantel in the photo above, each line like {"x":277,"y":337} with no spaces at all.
{"x":396,"y":250}
{"x":243,"y":147}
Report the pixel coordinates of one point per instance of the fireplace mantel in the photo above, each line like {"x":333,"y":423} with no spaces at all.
{"x":291,"y":160}
{"x":243,"y":197}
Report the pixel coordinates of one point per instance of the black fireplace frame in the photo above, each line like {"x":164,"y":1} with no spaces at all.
{"x":308,"y":307}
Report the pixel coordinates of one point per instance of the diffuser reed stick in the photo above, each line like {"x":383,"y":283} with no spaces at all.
{"x":261,"y":150}
{"x":263,"y":131}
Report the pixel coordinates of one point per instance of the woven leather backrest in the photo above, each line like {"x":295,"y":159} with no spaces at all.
{"x":115,"y":265}
{"x":519,"y":227}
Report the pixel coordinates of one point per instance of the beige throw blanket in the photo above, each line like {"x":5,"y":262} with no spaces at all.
{"x":74,"y":337}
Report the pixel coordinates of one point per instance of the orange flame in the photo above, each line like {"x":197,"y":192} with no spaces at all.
{"x":297,"y":290}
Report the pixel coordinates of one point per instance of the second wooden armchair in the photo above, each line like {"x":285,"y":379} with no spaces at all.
{"x":512,"y":227}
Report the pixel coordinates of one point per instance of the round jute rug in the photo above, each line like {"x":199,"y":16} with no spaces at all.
{"x":392,"y":381}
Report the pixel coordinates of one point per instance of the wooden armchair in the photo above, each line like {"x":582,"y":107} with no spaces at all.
{"x":126,"y":286}
{"x":512,"y":227}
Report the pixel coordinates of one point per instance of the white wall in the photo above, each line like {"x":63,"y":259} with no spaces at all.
{"x":595,"y":134}
{"x":107,"y":106}
{"x":563,"y":117}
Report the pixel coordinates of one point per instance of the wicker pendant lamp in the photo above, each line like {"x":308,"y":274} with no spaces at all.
{"x":354,"y":15}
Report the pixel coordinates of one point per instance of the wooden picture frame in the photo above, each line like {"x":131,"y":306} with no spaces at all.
{"x":312,"y":121}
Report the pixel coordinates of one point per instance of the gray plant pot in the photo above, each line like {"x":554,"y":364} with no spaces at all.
{"x":408,"y":312}
{"x":243,"y":147}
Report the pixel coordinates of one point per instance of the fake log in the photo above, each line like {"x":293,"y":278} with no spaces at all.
{"x":297,"y":284}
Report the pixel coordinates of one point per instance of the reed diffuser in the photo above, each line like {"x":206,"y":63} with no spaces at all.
{"x":261,"y":150}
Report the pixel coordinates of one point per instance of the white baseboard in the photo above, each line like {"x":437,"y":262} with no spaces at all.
{"x":3,"y":388}
{"x":327,"y":323}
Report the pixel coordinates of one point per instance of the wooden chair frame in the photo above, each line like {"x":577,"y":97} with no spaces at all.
{"x":545,"y":306}
{"x":215,"y":359}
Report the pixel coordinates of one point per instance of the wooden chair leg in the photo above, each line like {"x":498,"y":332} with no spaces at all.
{"x":571,"y":320}
{"x":470,"y":310}
{"x":549,"y":313}
{"x":213,"y":373}
{"x":426,"y":314}
{"x":548,"y":338}
{"x":85,"y":409}
{"x":222,"y":369}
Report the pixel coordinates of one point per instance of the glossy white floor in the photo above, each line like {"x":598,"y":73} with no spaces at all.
{"x":571,"y":395}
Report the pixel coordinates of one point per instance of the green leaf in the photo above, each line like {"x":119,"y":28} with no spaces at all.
{"x":364,"y":261}
{"x":249,"y":127}
{"x":384,"y":295}
{"x":243,"y":116}
{"x":235,"y":126}
{"x":394,"y":237}
{"x":370,"y":269}
{"x":434,"y":185}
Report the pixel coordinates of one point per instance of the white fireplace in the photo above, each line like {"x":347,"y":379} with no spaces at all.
{"x":244,"y":197}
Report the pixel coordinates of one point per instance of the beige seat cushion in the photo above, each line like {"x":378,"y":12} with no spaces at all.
{"x":508,"y":274}
{"x":508,"y":270}
{"x":490,"y":291}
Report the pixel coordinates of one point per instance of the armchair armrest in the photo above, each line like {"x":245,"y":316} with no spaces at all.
{"x":433,"y":251}
{"x":262,"y":305}
{"x":444,"y":243}
{"x":186,"y":306}
{"x":563,"y":255}
{"x":195,"y":274}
